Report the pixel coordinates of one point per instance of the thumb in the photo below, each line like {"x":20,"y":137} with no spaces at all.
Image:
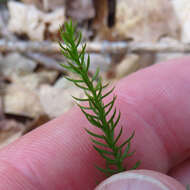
{"x":140,"y":179}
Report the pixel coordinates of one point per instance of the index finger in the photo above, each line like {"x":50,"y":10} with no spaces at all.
{"x":59,"y":154}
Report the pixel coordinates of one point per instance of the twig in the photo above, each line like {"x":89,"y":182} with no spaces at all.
{"x":95,"y":47}
{"x":46,"y":61}
{"x":1,"y":98}
{"x":23,"y":46}
{"x":1,"y":109}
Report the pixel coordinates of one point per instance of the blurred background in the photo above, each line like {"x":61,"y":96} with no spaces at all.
{"x":122,"y":37}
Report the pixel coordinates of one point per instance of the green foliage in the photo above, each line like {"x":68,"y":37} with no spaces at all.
{"x":103,"y":116}
{"x":188,"y":187}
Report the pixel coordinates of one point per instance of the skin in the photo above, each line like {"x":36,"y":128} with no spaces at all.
{"x":59,"y":155}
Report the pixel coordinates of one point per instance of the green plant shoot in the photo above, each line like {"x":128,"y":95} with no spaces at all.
{"x":103,"y":116}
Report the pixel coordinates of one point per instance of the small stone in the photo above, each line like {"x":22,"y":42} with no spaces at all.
{"x":10,"y":130}
{"x":28,"y":21}
{"x":37,"y":3}
{"x":33,"y":81}
{"x":58,"y":99}
{"x":52,"y":5}
{"x":54,"y":20}
{"x":16,"y":64}
{"x":33,"y":22}
{"x":63,"y":83}
{"x":101,"y":61}
{"x":20,"y":100}
{"x":80,"y":9}
{"x":128,"y":65}
{"x":45,"y":4}
{"x":182,"y":9}
{"x":144,"y":21}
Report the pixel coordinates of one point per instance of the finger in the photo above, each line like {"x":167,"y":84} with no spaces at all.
{"x":140,"y":179}
{"x":155,"y":102}
{"x":60,"y":155}
{"x":182,"y":172}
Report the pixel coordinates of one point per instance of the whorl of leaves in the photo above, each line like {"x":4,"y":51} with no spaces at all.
{"x":103,"y":116}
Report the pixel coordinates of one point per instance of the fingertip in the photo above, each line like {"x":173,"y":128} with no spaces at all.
{"x":140,"y":179}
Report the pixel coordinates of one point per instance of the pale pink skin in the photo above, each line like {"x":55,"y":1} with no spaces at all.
{"x":155,"y":102}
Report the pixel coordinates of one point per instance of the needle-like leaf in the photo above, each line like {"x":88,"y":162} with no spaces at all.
{"x":101,"y":115}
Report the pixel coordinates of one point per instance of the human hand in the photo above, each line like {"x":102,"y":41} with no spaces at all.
{"x":59,"y":155}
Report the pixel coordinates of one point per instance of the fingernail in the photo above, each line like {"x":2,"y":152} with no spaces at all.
{"x":132,"y":181}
